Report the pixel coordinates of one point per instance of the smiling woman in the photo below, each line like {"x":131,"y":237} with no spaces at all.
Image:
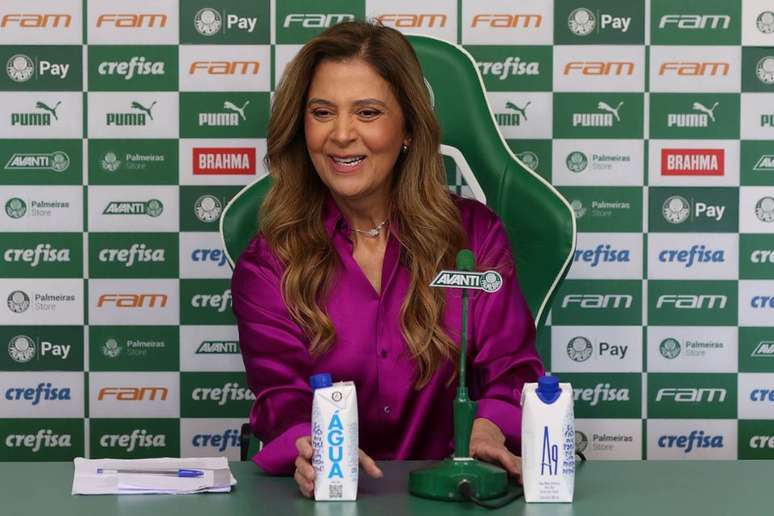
{"x":356,"y":224}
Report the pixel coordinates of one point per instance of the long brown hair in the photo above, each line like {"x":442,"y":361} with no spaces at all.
{"x":291,"y":216}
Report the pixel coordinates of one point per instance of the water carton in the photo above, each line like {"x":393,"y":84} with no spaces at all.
{"x":334,"y":439}
{"x":548,"y":441}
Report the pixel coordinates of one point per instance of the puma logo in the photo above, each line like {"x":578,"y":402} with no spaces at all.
{"x":137,"y":105}
{"x":232,"y":107}
{"x":698,"y":106}
{"x":520,"y":110}
{"x":43,"y":106}
{"x":604,"y":106}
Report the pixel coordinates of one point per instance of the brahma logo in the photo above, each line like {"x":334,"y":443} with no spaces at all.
{"x":133,"y":393}
{"x":688,"y":257}
{"x":692,"y":162}
{"x":316,"y":21}
{"x":765,"y":163}
{"x":57,"y":161}
{"x":692,"y":302}
{"x":137,"y":118}
{"x":228,"y":439}
{"x":42,"y":253}
{"x":232,"y":117}
{"x":132,"y":21}
{"x":231,"y":391}
{"x":598,"y":301}
{"x":139,"y":253}
{"x":224,"y":68}
{"x":696,"y":439}
{"x":127,"y":69}
{"x":209,"y":255}
{"x":218,"y":347}
{"x":599,"y":68}
{"x":512,"y":66}
{"x":139,"y":438}
{"x":405,"y":21}
{"x":21,"y":68}
{"x":602,"y":253}
{"x":224,"y":161}
{"x":508,"y":21}
{"x":152,"y":208}
{"x":703,"y":118}
{"x":690,"y":395}
{"x":133,"y":300}
{"x":762,"y":302}
{"x":43,"y":392}
{"x":42,"y":118}
{"x":219,"y":301}
{"x":694,"y":69}
{"x":45,"y":438}
{"x":607,"y":118}
{"x":601,"y":392}
{"x":36,"y":21}
{"x":695,"y":21}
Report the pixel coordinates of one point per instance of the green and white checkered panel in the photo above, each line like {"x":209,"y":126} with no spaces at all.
{"x":126,"y":126}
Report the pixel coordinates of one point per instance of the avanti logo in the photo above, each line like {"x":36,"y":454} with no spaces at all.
{"x":601,"y":392}
{"x":602,"y":253}
{"x":21,"y":68}
{"x":412,"y":20}
{"x":219,"y":301}
{"x":209,"y":255}
{"x":692,"y":162}
{"x":689,"y":257}
{"x":764,"y":349}
{"x":606,"y":119}
{"x":507,"y":21}
{"x":764,"y":209}
{"x":151,"y":208}
{"x":44,"y":438}
{"x":133,"y":393}
{"x":231,"y":391}
{"x":138,"y":438}
{"x":131,"y":118}
{"x":35,"y":118}
{"x":315,"y":20}
{"x":42,"y":253}
{"x":57,"y":161}
{"x":695,"y":21}
{"x":139,"y":253}
{"x":36,"y":21}
{"x":127,"y":69}
{"x":207,"y":208}
{"x":514,"y":118}
{"x":224,"y":161}
{"x":583,"y":22}
{"x":133,"y":300}
{"x":691,"y":395}
{"x":209,"y":22}
{"x":700,"y":119}
{"x":694,"y":68}
{"x":765,"y":163}
{"x":598,"y":301}
{"x":218,"y":347}
{"x":599,"y":68}
{"x":42,"y":392}
{"x":228,"y":439}
{"x":224,"y":68}
{"x":230,"y":118}
{"x":696,"y":439}
{"x":510,"y":67}
{"x":132,"y":21}
{"x":692,"y":302}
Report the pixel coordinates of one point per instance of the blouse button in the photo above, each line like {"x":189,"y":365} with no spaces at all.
{"x":383,"y":353}
{"x":387,"y":409}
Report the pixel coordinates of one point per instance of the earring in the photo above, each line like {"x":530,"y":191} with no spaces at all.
{"x":404,"y":148}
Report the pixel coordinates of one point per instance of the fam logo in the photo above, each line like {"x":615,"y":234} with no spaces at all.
{"x":58,"y":161}
{"x":764,"y":163}
{"x":316,"y":20}
{"x":691,"y":395}
{"x":764,"y":349}
{"x":209,"y":22}
{"x":207,"y":208}
{"x":215,"y":161}
{"x":36,"y":21}
{"x":583,"y":22}
{"x":603,"y":253}
{"x":507,"y":21}
{"x":514,"y":117}
{"x":764,"y":209}
{"x":138,"y":438}
{"x":692,"y":162}
{"x":607,"y":118}
{"x":598,"y":301}
{"x":218,"y":347}
{"x":692,"y":301}
{"x":231,"y":391}
{"x":228,"y":439}
{"x":694,"y":440}
{"x":224,"y":68}
{"x":694,"y":68}
{"x":765,"y":22}
{"x":137,"y":118}
{"x":510,"y":67}
{"x":219,"y":301}
{"x":677,"y":209}
{"x":42,"y":392}
{"x":136,"y":253}
{"x":42,"y":253}
{"x":44,"y":438}
{"x":695,"y":21}
{"x":133,"y":300}
{"x":601,"y":392}
{"x":695,"y":254}
{"x":42,"y":118}
{"x":580,"y":349}
{"x":412,"y":21}
{"x":599,"y":68}
{"x":137,"y":65}
{"x":151,"y":208}
{"x":702,"y":116}
{"x":133,"y":393}
{"x":22,"y":68}
{"x":132,"y":21}
{"x":217,"y":256}
{"x":23,"y":349}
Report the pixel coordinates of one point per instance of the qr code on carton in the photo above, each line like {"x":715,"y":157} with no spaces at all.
{"x":336,"y":491}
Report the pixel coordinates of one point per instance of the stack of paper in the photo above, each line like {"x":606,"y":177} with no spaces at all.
{"x":151,"y":476}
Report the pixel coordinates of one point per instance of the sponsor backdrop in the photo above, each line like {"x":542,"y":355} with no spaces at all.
{"x":126,"y":126}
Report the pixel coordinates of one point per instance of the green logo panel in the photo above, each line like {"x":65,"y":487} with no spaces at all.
{"x":41,"y":255}
{"x":756,"y":256}
{"x":756,"y":440}
{"x":694,"y":115}
{"x":692,"y":303}
{"x":298,"y":21}
{"x":756,"y":350}
{"x":206,"y":394}
{"x":758,"y":69}
{"x":602,"y":302}
{"x":757,"y":163}
{"x":133,"y":68}
{"x":206,"y":302}
{"x":41,"y":68}
{"x":134,"y":438}
{"x":510,"y":68}
{"x":201,"y":206}
{"x":224,"y":22}
{"x":41,"y":348}
{"x":133,"y":255}
{"x":535,"y":154}
{"x":134,"y":348}
{"x":691,"y":396}
{"x":599,"y":22}
{"x":224,"y":115}
{"x":598,"y":115}
{"x":41,"y":162}
{"x":601,"y":209}
{"x":606,"y":395}
{"x":687,"y":22}
{"x":133,"y":162}
{"x":693,"y":210}
{"x":41,"y":439}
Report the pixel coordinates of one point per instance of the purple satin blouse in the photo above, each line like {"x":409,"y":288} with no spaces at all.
{"x":396,"y":420}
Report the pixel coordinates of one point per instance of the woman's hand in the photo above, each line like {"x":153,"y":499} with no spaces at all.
{"x":487,"y":443}
{"x":304,"y":474}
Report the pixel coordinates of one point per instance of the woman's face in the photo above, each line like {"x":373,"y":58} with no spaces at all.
{"x":354,"y":129}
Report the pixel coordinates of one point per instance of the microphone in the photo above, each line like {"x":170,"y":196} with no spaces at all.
{"x":464,"y":407}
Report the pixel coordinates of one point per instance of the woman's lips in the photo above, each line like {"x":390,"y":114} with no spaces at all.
{"x":346,"y":168}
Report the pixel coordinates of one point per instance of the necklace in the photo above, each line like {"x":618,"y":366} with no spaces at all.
{"x":374,"y":231}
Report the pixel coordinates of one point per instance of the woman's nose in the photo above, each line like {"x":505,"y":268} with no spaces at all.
{"x":343,"y":130}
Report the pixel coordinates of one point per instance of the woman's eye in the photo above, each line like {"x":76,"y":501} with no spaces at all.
{"x":369,"y":113}
{"x":321,"y":113}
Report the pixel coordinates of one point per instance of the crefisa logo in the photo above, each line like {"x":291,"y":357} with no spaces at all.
{"x":42,"y":392}
{"x":138,"y":438}
{"x":44,"y":438}
{"x":688,"y":443}
{"x":228,"y":439}
{"x":689,"y":257}
{"x":603,"y":253}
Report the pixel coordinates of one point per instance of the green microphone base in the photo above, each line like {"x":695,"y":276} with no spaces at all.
{"x":441,"y":481}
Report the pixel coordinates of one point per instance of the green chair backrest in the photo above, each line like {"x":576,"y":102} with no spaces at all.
{"x":539,"y":221}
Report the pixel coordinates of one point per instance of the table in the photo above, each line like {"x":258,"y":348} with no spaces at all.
{"x":630,"y":488}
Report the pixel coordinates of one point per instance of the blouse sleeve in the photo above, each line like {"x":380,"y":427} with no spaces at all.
{"x":276,"y":358}
{"x":503,"y":338}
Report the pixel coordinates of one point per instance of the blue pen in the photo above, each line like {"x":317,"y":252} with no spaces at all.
{"x":182,"y":473}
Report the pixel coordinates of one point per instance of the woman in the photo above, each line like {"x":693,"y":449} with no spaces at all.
{"x":355,"y":226}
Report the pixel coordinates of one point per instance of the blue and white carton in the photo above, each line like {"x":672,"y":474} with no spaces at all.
{"x":548,"y":441}
{"x":334,"y":439}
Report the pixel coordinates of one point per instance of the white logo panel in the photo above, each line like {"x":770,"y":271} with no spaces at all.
{"x":41,"y":395}
{"x":126,"y":395}
{"x":596,"y":349}
{"x":757,"y":116}
{"x":698,"y":256}
{"x":607,"y":256}
{"x":507,"y":22}
{"x":756,"y":395}
{"x":756,"y":209}
{"x":42,"y":22}
{"x":41,"y":208}
{"x":692,"y":439}
{"x":609,"y":439}
{"x":756,"y":302}
{"x":133,"y":208}
{"x":283,"y":55}
{"x":41,"y":115}
{"x":604,"y":68}
{"x":437,"y":18}
{"x":225,"y":68}
{"x":210,"y":348}
{"x":598,"y":162}
{"x":693,"y":163}
{"x":188,"y":168}
{"x":147,"y":22}
{"x":757,"y":23}
{"x":522,"y":114}
{"x":134,"y":301}
{"x":138,"y":114}
{"x":37,"y":302}
{"x":202,"y":255}
{"x":691,"y":68}
{"x":678,"y":349}
{"x":210,"y":437}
